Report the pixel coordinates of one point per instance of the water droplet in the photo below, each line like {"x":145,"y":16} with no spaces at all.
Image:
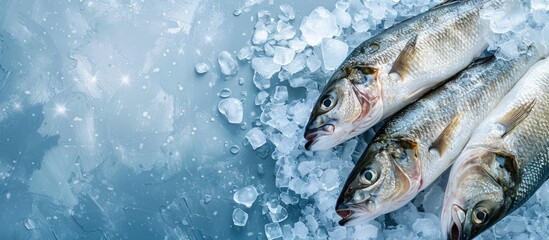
{"x":235,"y":149}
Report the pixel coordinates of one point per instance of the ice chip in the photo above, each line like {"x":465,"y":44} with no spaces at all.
{"x":297,"y":45}
{"x":288,"y":11}
{"x":229,"y":67}
{"x":246,"y":196}
{"x":301,"y":230}
{"x":283,"y":55}
{"x":261,"y":35}
{"x":284,"y":31}
{"x":343,"y":18}
{"x":313,"y":63}
{"x":298,"y":64}
{"x":232,"y":109}
{"x":239,"y":217}
{"x":333,"y":53}
{"x":426,"y":228}
{"x":278,"y":214}
{"x":330,"y":179}
{"x":245,"y":53}
{"x":365,"y":231}
{"x":261,"y":97}
{"x":320,"y":24}
{"x":273,"y":231}
{"x":281,"y":95}
{"x":201,"y":68}
{"x":265,"y":67}
{"x":256,"y":137}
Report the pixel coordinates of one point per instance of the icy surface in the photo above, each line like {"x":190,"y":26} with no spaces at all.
{"x":111,"y":126}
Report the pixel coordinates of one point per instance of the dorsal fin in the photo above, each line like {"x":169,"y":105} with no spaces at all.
{"x":441,"y":143}
{"x":514,"y":117}
{"x":446,"y":2}
{"x":401,"y":66}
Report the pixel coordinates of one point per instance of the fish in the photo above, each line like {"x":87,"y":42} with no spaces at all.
{"x":420,"y":143}
{"x":395,"y":68}
{"x":505,"y":161}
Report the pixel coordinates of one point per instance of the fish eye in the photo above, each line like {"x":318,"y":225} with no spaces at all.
{"x":480,"y":215}
{"x":368,"y":176}
{"x":327,"y":102}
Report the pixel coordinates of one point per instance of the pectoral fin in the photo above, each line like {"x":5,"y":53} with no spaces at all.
{"x":514,"y":117}
{"x":442,"y":141}
{"x":401,"y":66}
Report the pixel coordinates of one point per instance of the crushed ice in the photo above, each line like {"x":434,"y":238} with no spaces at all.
{"x":305,"y":54}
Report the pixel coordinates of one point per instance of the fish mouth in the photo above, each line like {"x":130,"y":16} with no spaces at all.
{"x":350,"y":214}
{"x":313,"y":136}
{"x":345,"y":215}
{"x":455,"y":229}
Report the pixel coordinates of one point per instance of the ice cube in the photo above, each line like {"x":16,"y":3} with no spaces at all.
{"x":313,"y":63}
{"x":256,"y":137}
{"x":284,"y":31}
{"x":338,"y":233}
{"x":283,"y":55}
{"x":201,"y":68}
{"x":504,"y":15}
{"x":298,"y":64}
{"x":297,"y":45}
{"x":232,"y":109}
{"x":239,"y":217}
{"x":300,"y":230}
{"x":330,"y":179}
{"x":278,"y":214}
{"x":261,"y":97}
{"x":281,"y":95}
{"x":229,"y":67}
{"x":288,"y":11}
{"x":265,"y":67}
{"x":246,"y":196}
{"x":343,"y":18}
{"x":245,"y":53}
{"x":333,"y":53}
{"x":261,"y":34}
{"x":365,"y":231}
{"x":273,"y":231}
{"x":426,"y":228}
{"x":320,"y":24}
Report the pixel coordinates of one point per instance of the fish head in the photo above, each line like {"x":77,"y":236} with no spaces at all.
{"x":386,"y":178}
{"x":349,"y":105}
{"x":479,"y":193}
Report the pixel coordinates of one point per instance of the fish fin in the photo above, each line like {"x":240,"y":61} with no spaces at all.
{"x":441,"y":143}
{"x":446,"y":2}
{"x":514,"y":117}
{"x":402,"y":63}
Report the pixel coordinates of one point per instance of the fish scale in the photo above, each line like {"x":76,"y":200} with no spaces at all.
{"x":396,"y":67}
{"x":523,"y":148}
{"x":433,"y":130}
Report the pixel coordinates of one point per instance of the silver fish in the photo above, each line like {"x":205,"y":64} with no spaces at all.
{"x":417,"y":145}
{"x":395,"y":68}
{"x":504,"y":163}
